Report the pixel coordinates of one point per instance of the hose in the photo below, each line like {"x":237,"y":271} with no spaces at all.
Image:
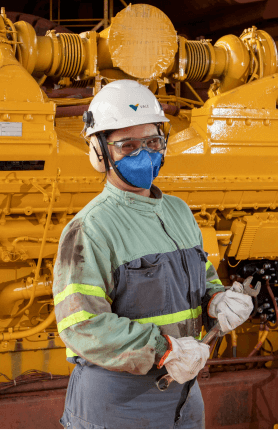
{"x":218,"y":344}
{"x":240,"y":360}
{"x":270,"y":292}
{"x":50,"y":209}
{"x":39,"y":328}
{"x":234,"y":343}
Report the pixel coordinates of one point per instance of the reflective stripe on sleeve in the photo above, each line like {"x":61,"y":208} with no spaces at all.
{"x":172,"y":318}
{"x":208,"y":264}
{"x":89,"y":290}
{"x":74,"y":319}
{"x":70,"y":353}
{"x":216,"y":281}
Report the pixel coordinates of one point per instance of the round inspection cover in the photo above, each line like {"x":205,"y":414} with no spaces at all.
{"x":142,"y":41}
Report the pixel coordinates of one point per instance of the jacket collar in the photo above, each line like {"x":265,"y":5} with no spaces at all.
{"x":135,"y":201}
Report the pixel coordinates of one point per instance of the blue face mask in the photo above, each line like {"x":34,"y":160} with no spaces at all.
{"x":140,"y":170}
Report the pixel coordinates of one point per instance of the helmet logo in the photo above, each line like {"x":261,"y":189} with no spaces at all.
{"x":134,"y":107}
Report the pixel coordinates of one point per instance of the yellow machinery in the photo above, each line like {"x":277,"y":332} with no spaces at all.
{"x":222,"y":160}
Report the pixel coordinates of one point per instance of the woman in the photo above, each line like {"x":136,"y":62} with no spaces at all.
{"x":130,"y":280}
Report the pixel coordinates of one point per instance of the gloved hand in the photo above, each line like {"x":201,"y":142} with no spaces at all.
{"x":231,"y":307}
{"x":186,"y":359}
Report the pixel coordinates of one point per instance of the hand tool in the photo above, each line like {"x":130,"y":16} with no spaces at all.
{"x":163,"y":382}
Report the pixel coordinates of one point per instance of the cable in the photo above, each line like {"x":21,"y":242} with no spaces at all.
{"x":235,"y":264}
{"x":28,"y":377}
{"x":271,"y":347}
{"x":217,"y":347}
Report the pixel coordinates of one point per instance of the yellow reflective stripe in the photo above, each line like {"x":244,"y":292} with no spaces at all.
{"x":89,"y":290}
{"x":70,"y":353}
{"x":172,"y":318}
{"x":74,"y":319}
{"x":208,"y":264}
{"x":199,"y":337}
{"x":216,"y":281}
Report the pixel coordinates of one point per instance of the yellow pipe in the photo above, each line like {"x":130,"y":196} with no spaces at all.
{"x":237,"y":62}
{"x":234,"y":338}
{"x":33,"y":239}
{"x":50,"y":208}
{"x":44,"y":53}
{"x":262,"y":338}
{"x":117,"y":48}
{"x":39,"y":328}
{"x":223,"y":238}
{"x":21,"y":291}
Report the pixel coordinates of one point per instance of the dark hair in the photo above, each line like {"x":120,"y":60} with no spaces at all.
{"x":107,"y":133}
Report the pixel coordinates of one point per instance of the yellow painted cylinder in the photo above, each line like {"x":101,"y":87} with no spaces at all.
{"x":44,"y":53}
{"x":219,"y":63}
{"x":141,"y":40}
{"x":237,"y":62}
{"x":103,"y":54}
{"x":211,"y":245}
{"x":18,"y":291}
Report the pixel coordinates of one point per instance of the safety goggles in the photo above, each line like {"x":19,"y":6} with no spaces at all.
{"x":132,"y":146}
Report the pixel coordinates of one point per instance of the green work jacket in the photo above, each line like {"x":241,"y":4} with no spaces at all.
{"x":130,"y":268}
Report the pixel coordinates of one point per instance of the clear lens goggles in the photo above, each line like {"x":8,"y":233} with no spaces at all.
{"x":131,"y":145}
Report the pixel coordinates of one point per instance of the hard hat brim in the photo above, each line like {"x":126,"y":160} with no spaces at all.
{"x":127,"y":122}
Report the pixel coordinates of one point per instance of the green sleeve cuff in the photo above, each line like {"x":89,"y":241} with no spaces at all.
{"x":160,"y":348}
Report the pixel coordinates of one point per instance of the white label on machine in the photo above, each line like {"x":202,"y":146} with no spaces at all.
{"x":11,"y":129}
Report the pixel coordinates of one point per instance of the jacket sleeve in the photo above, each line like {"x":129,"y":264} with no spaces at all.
{"x":83,"y":282}
{"x":213,"y":286}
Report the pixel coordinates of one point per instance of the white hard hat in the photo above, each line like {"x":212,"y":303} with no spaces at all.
{"x":121,"y":104}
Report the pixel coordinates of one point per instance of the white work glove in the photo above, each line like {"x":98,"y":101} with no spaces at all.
{"x":231,"y":308}
{"x":187,"y":358}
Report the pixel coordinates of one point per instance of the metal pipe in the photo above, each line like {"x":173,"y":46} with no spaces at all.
{"x":274,"y":303}
{"x":105,"y":13}
{"x":262,"y":338}
{"x":81,"y":19}
{"x":50,"y":209}
{"x":234,"y":343}
{"x":37,"y":386}
{"x":33,"y":239}
{"x":59,"y":11}
{"x":68,"y":111}
{"x":39,"y":328}
{"x":240,"y":360}
{"x":194,"y":92}
{"x":16,"y":291}
{"x":70,"y":92}
{"x":111,"y":10}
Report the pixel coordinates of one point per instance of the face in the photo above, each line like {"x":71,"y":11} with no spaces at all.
{"x":137,"y":131}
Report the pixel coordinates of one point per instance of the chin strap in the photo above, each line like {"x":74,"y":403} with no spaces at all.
{"x":100,"y":157}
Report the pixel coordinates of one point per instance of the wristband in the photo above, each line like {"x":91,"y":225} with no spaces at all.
{"x":209,"y":303}
{"x":170,"y":348}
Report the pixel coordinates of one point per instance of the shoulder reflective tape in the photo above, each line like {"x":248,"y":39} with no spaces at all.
{"x":172,"y":318}
{"x":208,"y":264}
{"x":74,"y":319}
{"x":216,"y":281}
{"x":89,"y":290}
{"x":70,"y":353}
